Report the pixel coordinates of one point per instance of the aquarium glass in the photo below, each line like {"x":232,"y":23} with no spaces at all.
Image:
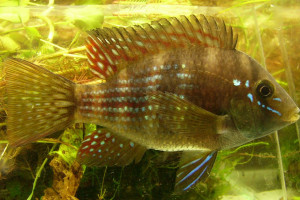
{"x":52,"y":34}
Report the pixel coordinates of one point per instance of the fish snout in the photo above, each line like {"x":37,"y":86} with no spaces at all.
{"x":294,"y":115}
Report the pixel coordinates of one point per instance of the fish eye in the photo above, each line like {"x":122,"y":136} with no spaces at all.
{"x":264,"y":89}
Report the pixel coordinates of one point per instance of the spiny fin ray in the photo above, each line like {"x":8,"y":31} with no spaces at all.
{"x":111,"y":49}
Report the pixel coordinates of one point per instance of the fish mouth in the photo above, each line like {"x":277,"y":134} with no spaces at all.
{"x":295,"y":116}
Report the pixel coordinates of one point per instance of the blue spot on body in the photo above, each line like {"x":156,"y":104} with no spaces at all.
{"x":250,"y":96}
{"x":236,"y":82}
{"x":132,"y":144}
{"x":258,"y":103}
{"x":247,"y":83}
{"x":274,"y":111}
{"x":277,"y":99}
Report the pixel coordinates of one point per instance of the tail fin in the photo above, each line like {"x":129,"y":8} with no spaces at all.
{"x":39,"y":102}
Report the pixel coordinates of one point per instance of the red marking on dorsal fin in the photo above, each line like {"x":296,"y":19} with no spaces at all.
{"x":105,"y":148}
{"x":111,"y":49}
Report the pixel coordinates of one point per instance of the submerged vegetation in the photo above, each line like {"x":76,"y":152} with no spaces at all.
{"x":52,"y":34}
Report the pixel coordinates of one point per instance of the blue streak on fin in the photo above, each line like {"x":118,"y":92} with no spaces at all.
{"x":194,"y":169}
{"x":105,"y":148}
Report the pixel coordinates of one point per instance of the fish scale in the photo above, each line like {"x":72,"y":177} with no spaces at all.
{"x":177,"y":76}
{"x":176,"y":84}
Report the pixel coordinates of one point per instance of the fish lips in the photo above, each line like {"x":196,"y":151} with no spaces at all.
{"x":294,"y":116}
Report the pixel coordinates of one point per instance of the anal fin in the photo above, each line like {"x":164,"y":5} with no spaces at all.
{"x":193,"y":168}
{"x":105,"y":148}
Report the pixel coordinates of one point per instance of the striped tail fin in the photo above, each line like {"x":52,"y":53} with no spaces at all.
{"x":39,"y":102}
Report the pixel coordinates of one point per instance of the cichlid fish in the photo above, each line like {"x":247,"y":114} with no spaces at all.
{"x":176,"y":84}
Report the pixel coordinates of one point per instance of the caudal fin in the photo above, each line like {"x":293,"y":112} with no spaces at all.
{"x":39,"y":102}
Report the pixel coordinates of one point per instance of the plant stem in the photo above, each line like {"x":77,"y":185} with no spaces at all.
{"x":38,"y":173}
{"x":3,"y":152}
{"x":102,"y":190}
{"x":75,"y":50}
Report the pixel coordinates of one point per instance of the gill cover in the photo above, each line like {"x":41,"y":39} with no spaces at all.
{"x":262,"y":107}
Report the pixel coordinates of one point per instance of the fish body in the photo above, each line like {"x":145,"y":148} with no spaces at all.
{"x":216,"y":80}
{"x":174,"y":85}
{"x":123,"y":103}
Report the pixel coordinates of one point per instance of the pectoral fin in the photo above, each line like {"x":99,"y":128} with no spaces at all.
{"x":193,"y":168}
{"x":105,"y":148}
{"x":182,"y":116}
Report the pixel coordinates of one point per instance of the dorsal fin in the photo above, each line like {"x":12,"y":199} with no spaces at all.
{"x":111,"y":49}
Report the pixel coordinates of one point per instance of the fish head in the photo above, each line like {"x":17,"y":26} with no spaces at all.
{"x":261,"y":106}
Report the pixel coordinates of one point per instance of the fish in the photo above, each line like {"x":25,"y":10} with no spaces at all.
{"x":177,"y":84}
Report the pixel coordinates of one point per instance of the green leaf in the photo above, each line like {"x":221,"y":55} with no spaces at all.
{"x":33,"y":33}
{"x":47,"y":49}
{"x":13,"y":2}
{"x":6,"y":43}
{"x":28,"y":53}
{"x":86,"y":18}
{"x":10,"y":11}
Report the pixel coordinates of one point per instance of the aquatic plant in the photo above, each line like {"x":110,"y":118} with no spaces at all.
{"x":54,"y":38}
